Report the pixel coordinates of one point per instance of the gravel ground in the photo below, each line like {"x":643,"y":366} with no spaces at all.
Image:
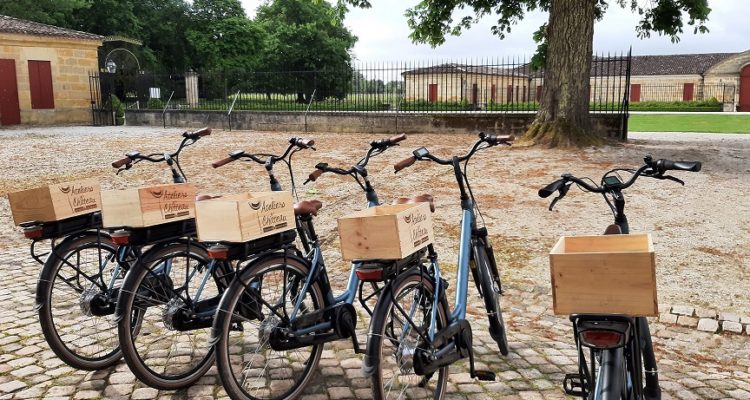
{"x":701,"y":231}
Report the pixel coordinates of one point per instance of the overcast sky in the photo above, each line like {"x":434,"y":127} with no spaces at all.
{"x":384,"y":35}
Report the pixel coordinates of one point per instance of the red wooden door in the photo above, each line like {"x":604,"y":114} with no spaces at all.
{"x":509,"y":94}
{"x":745,"y":89}
{"x":538,"y":93}
{"x":635,"y":92}
{"x":474,"y":94}
{"x":432,"y":92}
{"x":687,"y":92}
{"x":10,"y":111}
{"x":493,"y":93}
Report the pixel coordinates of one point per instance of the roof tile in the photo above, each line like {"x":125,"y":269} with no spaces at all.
{"x":15,"y":25}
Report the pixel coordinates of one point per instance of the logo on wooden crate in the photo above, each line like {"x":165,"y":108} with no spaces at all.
{"x":80,"y":197}
{"x":417,"y":229}
{"x":269,"y":218}
{"x":173,"y":203}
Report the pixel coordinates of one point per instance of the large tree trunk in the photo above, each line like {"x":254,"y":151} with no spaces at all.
{"x":563,"y":116}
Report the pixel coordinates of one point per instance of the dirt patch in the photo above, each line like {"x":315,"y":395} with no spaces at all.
{"x":700,"y":231}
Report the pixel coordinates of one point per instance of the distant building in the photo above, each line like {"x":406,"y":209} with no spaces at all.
{"x":466,"y":83}
{"x":679,"y":77}
{"x":44,"y":73}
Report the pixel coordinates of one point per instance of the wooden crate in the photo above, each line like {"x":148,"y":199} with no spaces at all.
{"x":56,"y":202}
{"x":386,"y":232}
{"x":148,"y":206}
{"x":610,"y":274}
{"x":244,"y":217}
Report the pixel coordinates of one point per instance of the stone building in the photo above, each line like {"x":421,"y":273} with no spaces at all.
{"x":466,"y":83}
{"x":686,"y":77}
{"x":44,"y":73}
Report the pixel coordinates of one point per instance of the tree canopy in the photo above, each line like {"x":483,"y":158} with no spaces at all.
{"x":209,"y":34}
{"x":565,"y":46}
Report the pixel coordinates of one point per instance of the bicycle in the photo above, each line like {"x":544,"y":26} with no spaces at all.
{"x":620,"y":344}
{"x":78,"y":287}
{"x":176,"y":317}
{"x":160,"y":303}
{"x":412,"y":334}
{"x":286,"y":299}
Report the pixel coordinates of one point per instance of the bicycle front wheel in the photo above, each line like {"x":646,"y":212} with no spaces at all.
{"x":162,"y":328}
{"x":400,"y":321}
{"x":75,"y":301}
{"x":491,"y":294}
{"x":254,"y":312}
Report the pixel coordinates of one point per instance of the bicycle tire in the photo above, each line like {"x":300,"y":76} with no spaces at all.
{"x":51,"y":278}
{"x":229,"y":341}
{"x":491,"y":295}
{"x":151,"y":289}
{"x":378,"y":333}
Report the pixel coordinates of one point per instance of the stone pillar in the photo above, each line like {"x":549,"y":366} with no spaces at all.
{"x":191,"y":88}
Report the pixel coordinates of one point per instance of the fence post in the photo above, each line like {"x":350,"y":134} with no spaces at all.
{"x":191,"y":88}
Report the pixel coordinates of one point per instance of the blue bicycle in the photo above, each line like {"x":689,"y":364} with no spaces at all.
{"x":413,"y":336}
{"x":280,"y":310}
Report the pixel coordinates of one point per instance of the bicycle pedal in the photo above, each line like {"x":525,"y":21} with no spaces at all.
{"x":484,"y":375}
{"x":574,"y":385}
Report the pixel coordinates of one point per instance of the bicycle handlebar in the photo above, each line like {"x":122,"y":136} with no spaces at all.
{"x":651,"y":168}
{"x":376,"y":147}
{"x":422,"y":153}
{"x":121,"y":162}
{"x":405,"y":163}
{"x":135,"y":156}
{"x":197,"y":134}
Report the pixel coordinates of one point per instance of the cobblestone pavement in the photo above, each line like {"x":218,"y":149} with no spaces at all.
{"x":693,"y":364}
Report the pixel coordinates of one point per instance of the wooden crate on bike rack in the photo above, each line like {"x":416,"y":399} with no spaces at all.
{"x":609,"y":274}
{"x":56,"y":202}
{"x":244,"y":217}
{"x":148,"y":205}
{"x":389,"y":232}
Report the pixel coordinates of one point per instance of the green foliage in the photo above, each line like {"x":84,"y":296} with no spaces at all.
{"x":432,"y":20}
{"x":701,"y":105}
{"x":52,"y":12}
{"x":155,"y":104}
{"x":222,"y":36}
{"x":304,"y":35}
{"x":116,"y":106}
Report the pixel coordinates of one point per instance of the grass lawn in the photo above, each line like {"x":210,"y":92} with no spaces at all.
{"x":689,"y":123}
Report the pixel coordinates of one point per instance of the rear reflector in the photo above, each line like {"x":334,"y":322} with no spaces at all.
{"x":601,"y":339}
{"x":218,"y":252}
{"x":375,"y":274}
{"x":120,"y":237}
{"x":34,"y":232}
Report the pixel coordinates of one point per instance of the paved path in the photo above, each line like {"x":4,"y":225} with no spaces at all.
{"x":693,"y":364}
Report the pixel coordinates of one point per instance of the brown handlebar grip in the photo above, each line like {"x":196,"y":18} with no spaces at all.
{"x":404,"y":163}
{"x":225,"y":161}
{"x":315,"y":175}
{"x":120,"y":163}
{"x":305,"y":143}
{"x":202,"y":132}
{"x":397,"y":138}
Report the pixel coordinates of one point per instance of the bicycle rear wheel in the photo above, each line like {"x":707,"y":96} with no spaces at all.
{"x":403,"y":312}
{"x":75,"y":302}
{"x":488,"y":283}
{"x":253,"y":311}
{"x":170,"y":349}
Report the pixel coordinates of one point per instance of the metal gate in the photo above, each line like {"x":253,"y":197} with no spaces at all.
{"x":100,"y":88}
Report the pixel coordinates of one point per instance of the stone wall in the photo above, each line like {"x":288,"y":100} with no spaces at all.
{"x":71,"y":60}
{"x":608,"y":125}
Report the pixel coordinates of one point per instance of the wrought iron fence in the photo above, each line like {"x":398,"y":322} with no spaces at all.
{"x":504,"y":85}
{"x":691,"y":94}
